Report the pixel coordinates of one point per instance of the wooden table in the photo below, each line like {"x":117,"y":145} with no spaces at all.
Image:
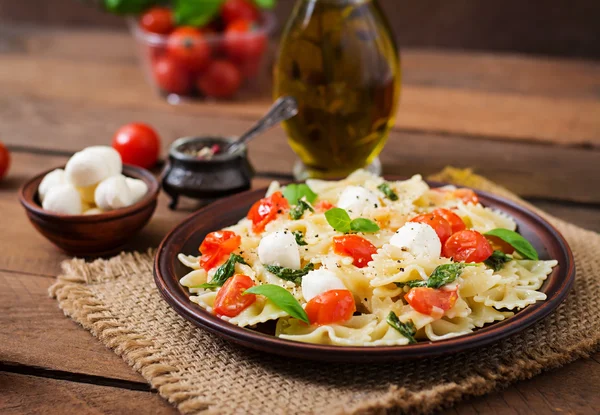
{"x":531,"y":124}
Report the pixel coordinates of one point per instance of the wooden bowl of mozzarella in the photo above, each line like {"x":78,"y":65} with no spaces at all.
{"x":102,"y":219}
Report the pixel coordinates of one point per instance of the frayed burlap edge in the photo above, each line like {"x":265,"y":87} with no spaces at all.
{"x":78,"y":302}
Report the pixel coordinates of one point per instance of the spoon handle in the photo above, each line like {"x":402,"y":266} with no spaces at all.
{"x":284,"y":108}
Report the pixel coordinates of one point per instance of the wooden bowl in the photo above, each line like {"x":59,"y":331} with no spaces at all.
{"x":91,"y":235}
{"x":187,"y":236}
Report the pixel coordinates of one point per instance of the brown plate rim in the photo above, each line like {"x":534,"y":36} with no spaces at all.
{"x":560,"y":281}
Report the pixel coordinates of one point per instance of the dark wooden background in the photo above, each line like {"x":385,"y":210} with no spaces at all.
{"x":569,"y":28}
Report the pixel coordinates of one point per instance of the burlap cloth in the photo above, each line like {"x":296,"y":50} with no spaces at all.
{"x":198,"y":372}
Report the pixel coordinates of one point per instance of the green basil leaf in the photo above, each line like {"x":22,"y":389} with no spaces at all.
{"x":388,"y":192}
{"x":407,"y":329}
{"x":299,"y":238}
{"x":224,"y":272}
{"x":497,"y":260}
{"x":298,"y":210}
{"x":521,"y":245}
{"x":289,"y":274}
{"x":128,"y":6}
{"x":412,"y":284}
{"x":339,"y":219}
{"x":282,"y":299}
{"x":265,"y":4}
{"x":363,"y":225}
{"x":195,"y":12}
{"x":441,"y":275}
{"x":294,"y":192}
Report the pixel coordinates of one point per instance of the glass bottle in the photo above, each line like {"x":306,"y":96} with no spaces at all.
{"x":338,"y":58}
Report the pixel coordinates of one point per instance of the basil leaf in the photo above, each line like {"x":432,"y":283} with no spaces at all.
{"x":388,"y":192}
{"x":407,"y":329}
{"x":265,"y":4}
{"x":127,"y":6}
{"x":412,"y":284}
{"x":195,"y":12}
{"x":497,"y":260}
{"x":441,"y":275}
{"x":224,"y":272}
{"x":339,"y":219}
{"x":521,"y":245}
{"x":299,"y":238}
{"x":363,"y":225}
{"x":282,"y":299}
{"x":289,"y":274}
{"x":294,"y":192}
{"x":298,"y":210}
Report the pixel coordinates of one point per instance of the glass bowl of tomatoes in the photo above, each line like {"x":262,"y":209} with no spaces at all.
{"x":225,"y":59}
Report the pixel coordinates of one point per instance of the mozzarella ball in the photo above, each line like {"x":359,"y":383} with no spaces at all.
{"x":319,"y":281}
{"x":355,"y":199}
{"x":110,"y":156}
{"x":63,"y":199}
{"x":52,"y":179}
{"x":279,"y":248}
{"x":113,"y":193}
{"x":86,"y":168}
{"x":419,"y":239}
{"x":138,"y":188}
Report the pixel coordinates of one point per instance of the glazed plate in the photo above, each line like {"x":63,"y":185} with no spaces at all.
{"x":187,"y":236}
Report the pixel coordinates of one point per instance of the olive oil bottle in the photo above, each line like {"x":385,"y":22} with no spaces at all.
{"x":339,"y":60}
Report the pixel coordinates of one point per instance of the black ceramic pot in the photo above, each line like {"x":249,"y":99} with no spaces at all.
{"x":222,"y":175}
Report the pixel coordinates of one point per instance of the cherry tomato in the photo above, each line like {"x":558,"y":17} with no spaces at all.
{"x":171,"y":76}
{"x":466,"y":195}
{"x":467,"y":246}
{"x":157,"y":20}
{"x":188,"y":46}
{"x":499,"y":244}
{"x":231,"y":300}
{"x":138,"y":144}
{"x":456,"y":223}
{"x":4,"y":160}
{"x":220,"y":80}
{"x":265,"y":210}
{"x":334,"y":306}
{"x":243,"y":42}
{"x":440,"y":225}
{"x":431,"y":301}
{"x":360,"y":249}
{"x":233,"y":10}
{"x":217,"y":246}
{"x":323,"y":206}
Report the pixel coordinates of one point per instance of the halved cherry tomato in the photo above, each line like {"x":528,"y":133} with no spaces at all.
{"x":265,"y":210}
{"x":440,"y":225}
{"x":334,"y":306}
{"x":323,"y":206}
{"x":231,"y":300}
{"x":467,"y":246}
{"x":499,"y":244}
{"x":360,"y":249}
{"x":157,"y":20}
{"x":188,"y":47}
{"x":431,"y":301}
{"x":217,"y":246}
{"x":233,"y":10}
{"x":466,"y":195}
{"x":171,"y":76}
{"x":243,"y":42}
{"x":456,"y":223}
{"x":222,"y":79}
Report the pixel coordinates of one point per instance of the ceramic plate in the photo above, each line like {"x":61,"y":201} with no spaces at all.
{"x":188,"y":235}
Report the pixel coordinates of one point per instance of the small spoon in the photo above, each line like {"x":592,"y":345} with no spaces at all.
{"x":283,"y":109}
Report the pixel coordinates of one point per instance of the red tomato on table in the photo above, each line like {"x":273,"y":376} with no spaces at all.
{"x":233,"y":10}
{"x":222,"y":79}
{"x":456,"y":223}
{"x":231,"y":300}
{"x":217,"y":246}
{"x":138,"y":144}
{"x":440,"y":225}
{"x":157,"y":20}
{"x":467,"y":246}
{"x":334,"y":306}
{"x":171,"y":76}
{"x":431,"y":301}
{"x":243,"y":42}
{"x":4,"y":160}
{"x":265,"y":210}
{"x":188,"y":47}
{"x":360,"y":249}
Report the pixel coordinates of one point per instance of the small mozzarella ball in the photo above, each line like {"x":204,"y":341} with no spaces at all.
{"x":86,"y":169}
{"x":87,"y":193}
{"x":279,"y":248}
{"x":110,"y":156}
{"x":113,"y":193}
{"x":52,"y":179}
{"x":138,"y":188}
{"x":419,"y":239}
{"x":319,"y":281}
{"x":92,"y":211}
{"x":355,"y":199}
{"x":63,"y":199}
